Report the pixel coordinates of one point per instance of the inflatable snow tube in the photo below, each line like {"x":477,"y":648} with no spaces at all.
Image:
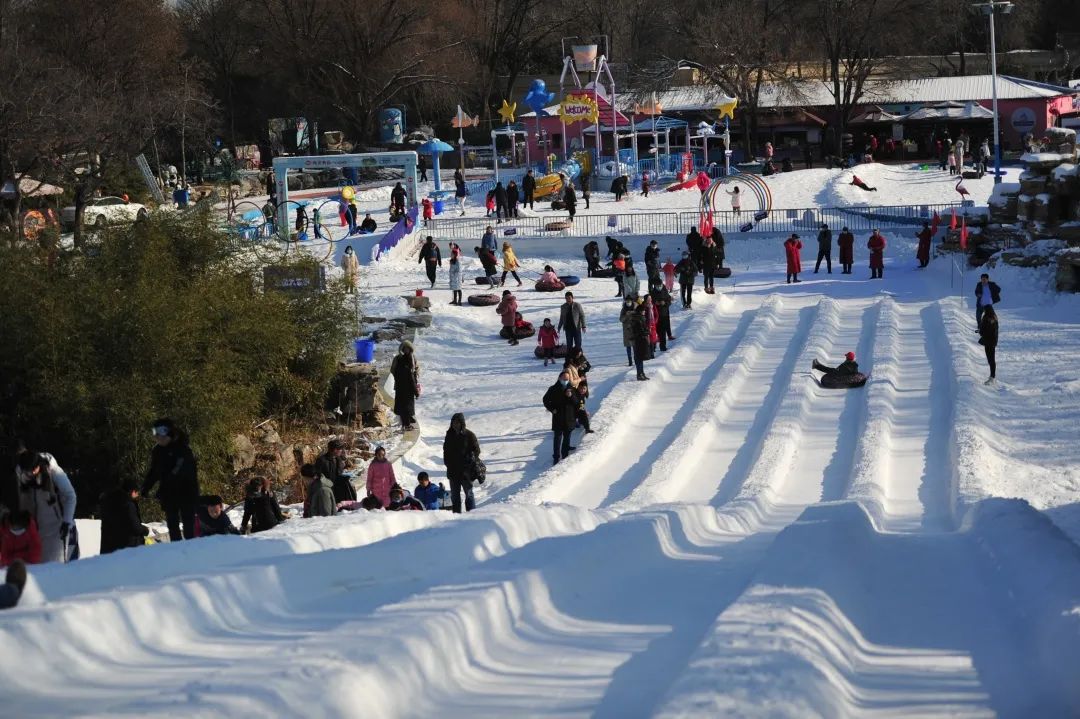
{"x":843,"y":381}
{"x":483,"y":300}
{"x":549,"y":286}
{"x":722,"y":273}
{"x":604,"y":272}
{"x":560,"y":351}
{"x":481,"y":280}
{"x":569,"y":280}
{"x":558,"y":225}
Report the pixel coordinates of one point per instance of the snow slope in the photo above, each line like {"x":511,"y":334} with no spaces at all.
{"x":734,"y":540}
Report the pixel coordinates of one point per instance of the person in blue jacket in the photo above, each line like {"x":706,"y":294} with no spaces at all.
{"x":430,"y":495}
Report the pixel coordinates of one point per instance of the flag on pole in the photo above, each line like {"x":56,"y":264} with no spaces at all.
{"x":952,"y":222}
{"x":963,"y":234}
{"x":934,"y":223}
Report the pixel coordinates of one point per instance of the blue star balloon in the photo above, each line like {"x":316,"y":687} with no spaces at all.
{"x":538,"y":97}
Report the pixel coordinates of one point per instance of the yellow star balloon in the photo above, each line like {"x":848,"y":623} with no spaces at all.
{"x":506,"y":112}
{"x":726,"y":106}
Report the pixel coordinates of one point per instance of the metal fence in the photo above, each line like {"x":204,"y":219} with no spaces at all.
{"x":857,"y":219}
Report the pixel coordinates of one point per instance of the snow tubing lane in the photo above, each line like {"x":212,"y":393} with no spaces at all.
{"x":483,"y":300}
{"x":558,"y":226}
{"x":560,"y":351}
{"x":546,"y":287}
{"x":850,"y":381}
{"x":569,"y":280}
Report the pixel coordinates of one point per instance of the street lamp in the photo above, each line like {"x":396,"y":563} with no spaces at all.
{"x":990,"y":9}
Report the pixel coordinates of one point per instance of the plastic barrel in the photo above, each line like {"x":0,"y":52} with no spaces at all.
{"x":438,"y":207}
{"x":365,"y":350}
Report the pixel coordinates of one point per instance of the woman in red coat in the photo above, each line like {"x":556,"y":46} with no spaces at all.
{"x":876,"y":245}
{"x":846,"y":242}
{"x":923,"y":254}
{"x":794,"y":266}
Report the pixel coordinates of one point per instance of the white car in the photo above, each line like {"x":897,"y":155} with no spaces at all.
{"x":102,"y":211}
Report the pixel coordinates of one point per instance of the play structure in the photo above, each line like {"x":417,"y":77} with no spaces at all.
{"x":405,"y":160}
{"x":751,"y":187}
{"x":700,"y":181}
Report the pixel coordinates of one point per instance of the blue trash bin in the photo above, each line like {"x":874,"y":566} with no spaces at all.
{"x":365,"y":350}
{"x":438,"y":207}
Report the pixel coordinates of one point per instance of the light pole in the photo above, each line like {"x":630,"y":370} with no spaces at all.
{"x":989,"y":9}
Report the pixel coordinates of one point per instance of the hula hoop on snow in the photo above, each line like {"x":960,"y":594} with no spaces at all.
{"x":757,"y":187}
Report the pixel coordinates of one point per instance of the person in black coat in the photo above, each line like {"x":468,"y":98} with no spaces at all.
{"x":421,"y":165}
{"x":211,"y":519}
{"x":710,"y":261}
{"x":570,"y":200}
{"x":406,"y":372}
{"x":261,"y":507}
{"x":662,"y":301}
{"x":987,"y":294}
{"x":652,"y":261}
{"x":718,"y":240}
{"x":121,"y":522}
{"x":501,"y":208}
{"x":592,"y":257}
{"x":988,"y":338}
{"x":174,"y":472}
{"x":512,"y":199}
{"x":528,"y":187}
{"x":431,"y":257}
{"x":460,"y":446}
{"x":332,"y":465}
{"x":562,"y":400}
{"x":397,"y":199}
{"x":585,"y":193}
{"x":687,"y":271}
{"x":694,"y":243}
{"x":824,"y":252}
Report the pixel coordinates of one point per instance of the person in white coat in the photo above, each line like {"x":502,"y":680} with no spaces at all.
{"x":351,"y":266}
{"x":46,"y":492}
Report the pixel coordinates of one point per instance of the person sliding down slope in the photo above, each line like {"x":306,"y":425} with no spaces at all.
{"x":848,"y":367}
{"x":861,"y":185}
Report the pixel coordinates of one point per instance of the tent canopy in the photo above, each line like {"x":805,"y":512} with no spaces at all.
{"x":951,"y":111}
{"x":876,"y":115}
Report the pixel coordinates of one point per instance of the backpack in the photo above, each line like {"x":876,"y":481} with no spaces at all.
{"x":475,"y":469}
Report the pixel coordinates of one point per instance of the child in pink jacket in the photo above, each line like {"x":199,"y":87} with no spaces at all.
{"x":380,"y":477}
{"x":669,"y":274}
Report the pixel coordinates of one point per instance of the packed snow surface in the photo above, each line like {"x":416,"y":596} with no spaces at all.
{"x":734,"y":540}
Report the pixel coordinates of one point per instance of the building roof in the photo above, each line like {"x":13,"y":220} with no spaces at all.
{"x":815,"y":93}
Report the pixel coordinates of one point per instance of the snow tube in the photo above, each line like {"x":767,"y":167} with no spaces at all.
{"x":558,"y":225}
{"x":569,"y":280}
{"x":560,"y":351}
{"x":722,"y":273}
{"x":843,"y":381}
{"x":604,"y":272}
{"x":549,"y":286}
{"x":483,"y":300}
{"x":481,"y":280}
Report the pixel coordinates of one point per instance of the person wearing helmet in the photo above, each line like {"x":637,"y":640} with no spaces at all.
{"x":848,"y":367}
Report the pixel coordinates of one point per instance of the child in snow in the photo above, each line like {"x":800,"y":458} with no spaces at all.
{"x":547,"y":338}
{"x":430,"y":495}
{"x":429,"y":211}
{"x":549,"y":277}
{"x":380,"y":477}
{"x":669,"y":274}
{"x":736,"y":199}
{"x":19,"y":539}
{"x":522,"y":329}
{"x":401,"y":500}
{"x":490,"y":203}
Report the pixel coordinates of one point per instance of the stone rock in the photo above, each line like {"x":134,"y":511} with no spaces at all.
{"x":305,"y":454}
{"x":243,"y":453}
{"x":1021,"y":259}
{"x":1068,"y":272}
{"x":416,"y":321}
{"x":378,"y":417}
{"x":1045,"y":209}
{"x":388,"y":334}
{"x":373,"y":320}
{"x":1033,"y":185}
{"x":266,"y":433}
{"x":421,"y":304}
